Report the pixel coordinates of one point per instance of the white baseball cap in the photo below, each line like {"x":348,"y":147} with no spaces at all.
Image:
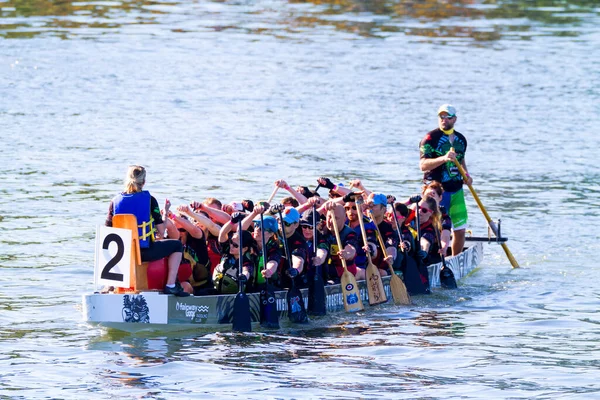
{"x":447,"y":108}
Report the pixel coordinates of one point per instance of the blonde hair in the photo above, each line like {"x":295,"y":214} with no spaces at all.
{"x":135,"y":179}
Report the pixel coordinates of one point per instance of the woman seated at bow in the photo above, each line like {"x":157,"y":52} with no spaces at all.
{"x":151,"y":228}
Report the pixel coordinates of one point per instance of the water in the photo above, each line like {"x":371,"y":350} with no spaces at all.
{"x":223,"y":98}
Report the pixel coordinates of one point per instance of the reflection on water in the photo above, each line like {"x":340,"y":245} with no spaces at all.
{"x":479,"y":20}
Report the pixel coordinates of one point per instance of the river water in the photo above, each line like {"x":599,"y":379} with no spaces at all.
{"x":222,"y":98}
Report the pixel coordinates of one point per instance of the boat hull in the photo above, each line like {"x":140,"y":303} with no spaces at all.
{"x":134,"y":312}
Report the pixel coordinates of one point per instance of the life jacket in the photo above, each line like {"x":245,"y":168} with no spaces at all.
{"x":225,"y":277}
{"x":137,"y":204}
{"x":200,"y":272}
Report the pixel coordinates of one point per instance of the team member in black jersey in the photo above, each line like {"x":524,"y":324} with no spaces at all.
{"x":437,"y":164}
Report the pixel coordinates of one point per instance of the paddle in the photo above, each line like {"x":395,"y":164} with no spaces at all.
{"x":272,"y":194}
{"x":491,"y":223}
{"x":447,"y":279}
{"x":316,"y":290}
{"x":374,"y":284}
{"x":412,"y":277}
{"x":350,"y":292}
{"x":241,"y":305}
{"x":269,"y":317}
{"x":295,"y":302}
{"x":399,"y":292}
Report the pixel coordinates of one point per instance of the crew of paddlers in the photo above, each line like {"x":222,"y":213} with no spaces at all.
{"x":206,"y":234}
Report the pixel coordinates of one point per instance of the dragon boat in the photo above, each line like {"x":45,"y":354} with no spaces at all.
{"x":154,"y":311}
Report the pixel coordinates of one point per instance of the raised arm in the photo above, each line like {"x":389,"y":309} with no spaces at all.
{"x":297,"y":195}
{"x":203,"y":220}
{"x":218,"y":216}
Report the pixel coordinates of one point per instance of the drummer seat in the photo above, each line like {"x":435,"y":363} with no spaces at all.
{"x":138,"y":270}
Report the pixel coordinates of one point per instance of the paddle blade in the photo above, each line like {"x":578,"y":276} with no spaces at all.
{"x":269,"y":316}
{"x":296,"y":309}
{"x":399,"y":290}
{"x":241,"y":313}
{"x":375,"y":285}
{"x":413,"y":279}
{"x":316,"y":295}
{"x":350,"y":292}
{"x":447,"y":279}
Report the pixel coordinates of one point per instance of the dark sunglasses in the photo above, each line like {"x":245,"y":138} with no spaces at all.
{"x":234,"y":244}
{"x":288,"y":223}
{"x":425,"y":210}
{"x":307,"y":227}
{"x":447,"y":116}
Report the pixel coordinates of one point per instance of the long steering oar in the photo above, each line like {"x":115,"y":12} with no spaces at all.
{"x":269,"y":317}
{"x":316,"y":289}
{"x":447,"y":279}
{"x":398,"y":288}
{"x":412,"y":276}
{"x":491,"y":223}
{"x":241,"y":306}
{"x":374,"y":284}
{"x":295,"y":302}
{"x":350,"y":292}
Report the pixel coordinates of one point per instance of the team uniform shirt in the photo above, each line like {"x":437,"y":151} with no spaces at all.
{"x":361,"y":257}
{"x":390,"y":239}
{"x":335,"y":268}
{"x":436,"y":144}
{"x":428,"y":233}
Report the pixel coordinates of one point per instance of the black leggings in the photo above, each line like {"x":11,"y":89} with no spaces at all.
{"x":161,"y":249}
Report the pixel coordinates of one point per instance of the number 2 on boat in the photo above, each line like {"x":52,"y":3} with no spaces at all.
{"x":113,"y":257}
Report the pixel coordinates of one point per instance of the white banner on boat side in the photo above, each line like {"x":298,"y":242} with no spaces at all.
{"x":113,"y":257}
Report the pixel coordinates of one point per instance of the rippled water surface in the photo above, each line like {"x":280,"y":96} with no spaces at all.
{"x":222,"y":98}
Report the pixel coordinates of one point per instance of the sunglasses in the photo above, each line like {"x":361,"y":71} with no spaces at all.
{"x":235,"y":245}
{"x":425,"y":210}
{"x":288,"y":223}
{"x":447,"y":116}
{"x":307,"y":227}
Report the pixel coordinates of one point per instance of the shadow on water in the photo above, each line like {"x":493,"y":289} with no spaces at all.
{"x":479,"y":20}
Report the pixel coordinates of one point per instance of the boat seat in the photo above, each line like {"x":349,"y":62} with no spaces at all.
{"x":138,"y":270}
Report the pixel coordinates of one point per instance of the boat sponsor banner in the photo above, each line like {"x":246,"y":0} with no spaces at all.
{"x":190,"y":310}
{"x":113,"y":257}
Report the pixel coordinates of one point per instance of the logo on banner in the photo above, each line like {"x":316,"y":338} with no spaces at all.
{"x":135,"y":309}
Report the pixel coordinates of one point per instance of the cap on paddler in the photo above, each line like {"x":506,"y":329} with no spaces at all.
{"x":270,"y":223}
{"x":379,"y":198}
{"x":307,"y":218}
{"x":447,"y":108}
{"x":290,"y":215}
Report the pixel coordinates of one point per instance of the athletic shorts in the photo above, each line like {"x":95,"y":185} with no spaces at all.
{"x":161,"y":249}
{"x":457,"y":209}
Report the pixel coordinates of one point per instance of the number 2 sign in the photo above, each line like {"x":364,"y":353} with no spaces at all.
{"x":113,"y":257}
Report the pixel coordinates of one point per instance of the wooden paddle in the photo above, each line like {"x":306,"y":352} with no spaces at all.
{"x":447,"y":279}
{"x":295,"y":301}
{"x":399,"y":292}
{"x":374,"y":284}
{"x":491,"y":223}
{"x":316,"y":290}
{"x":350,"y":292}
{"x":269,"y":317}
{"x":273,"y":194}
{"x":412,"y":276}
{"x":241,"y":306}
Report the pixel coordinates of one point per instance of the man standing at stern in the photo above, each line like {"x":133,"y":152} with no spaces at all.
{"x":439,"y":148}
